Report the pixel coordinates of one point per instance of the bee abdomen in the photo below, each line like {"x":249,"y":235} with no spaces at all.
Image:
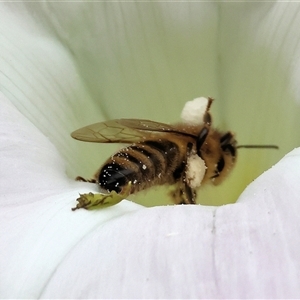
{"x":113,"y":177}
{"x":144,"y":164}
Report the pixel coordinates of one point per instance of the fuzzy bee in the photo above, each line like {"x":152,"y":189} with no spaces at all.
{"x":186,"y":155}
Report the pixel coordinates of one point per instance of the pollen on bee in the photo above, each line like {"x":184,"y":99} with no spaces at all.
{"x":195,"y":172}
{"x":194,"y":111}
{"x":144,"y":167}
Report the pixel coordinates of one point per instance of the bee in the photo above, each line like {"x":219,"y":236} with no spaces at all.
{"x":184,"y":155}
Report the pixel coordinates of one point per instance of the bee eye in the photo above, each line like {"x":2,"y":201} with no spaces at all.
{"x":220,"y":165}
{"x":226,"y":143}
{"x":229,"y":148}
{"x":226,"y":138}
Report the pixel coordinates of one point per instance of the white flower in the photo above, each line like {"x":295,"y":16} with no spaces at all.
{"x":66,"y":65}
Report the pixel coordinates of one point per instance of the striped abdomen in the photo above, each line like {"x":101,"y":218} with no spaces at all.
{"x":144,"y":164}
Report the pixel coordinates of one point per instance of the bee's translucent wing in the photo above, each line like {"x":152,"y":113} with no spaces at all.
{"x":146,"y":125}
{"x":121,"y":131}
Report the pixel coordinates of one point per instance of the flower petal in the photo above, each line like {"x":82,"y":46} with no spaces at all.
{"x":38,"y":228}
{"x":39,"y":77}
{"x":244,"y":250}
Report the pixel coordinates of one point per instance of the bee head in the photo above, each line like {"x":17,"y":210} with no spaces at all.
{"x":226,"y":159}
{"x":228,"y":144}
{"x":228,"y":155}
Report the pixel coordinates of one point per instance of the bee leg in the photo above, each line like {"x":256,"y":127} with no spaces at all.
{"x":183,"y":194}
{"x":201,"y":139}
{"x":205,"y":130}
{"x":207,"y":116}
{"x":79,"y":178}
{"x":190,"y":195}
{"x":177,"y":195}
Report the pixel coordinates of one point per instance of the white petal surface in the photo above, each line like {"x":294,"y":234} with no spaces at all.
{"x":38,"y":228}
{"x":244,"y":250}
{"x":39,"y":77}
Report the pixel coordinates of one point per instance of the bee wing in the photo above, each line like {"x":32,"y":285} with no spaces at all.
{"x":121,"y":131}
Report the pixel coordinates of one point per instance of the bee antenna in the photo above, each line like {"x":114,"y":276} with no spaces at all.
{"x":258,"y":146}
